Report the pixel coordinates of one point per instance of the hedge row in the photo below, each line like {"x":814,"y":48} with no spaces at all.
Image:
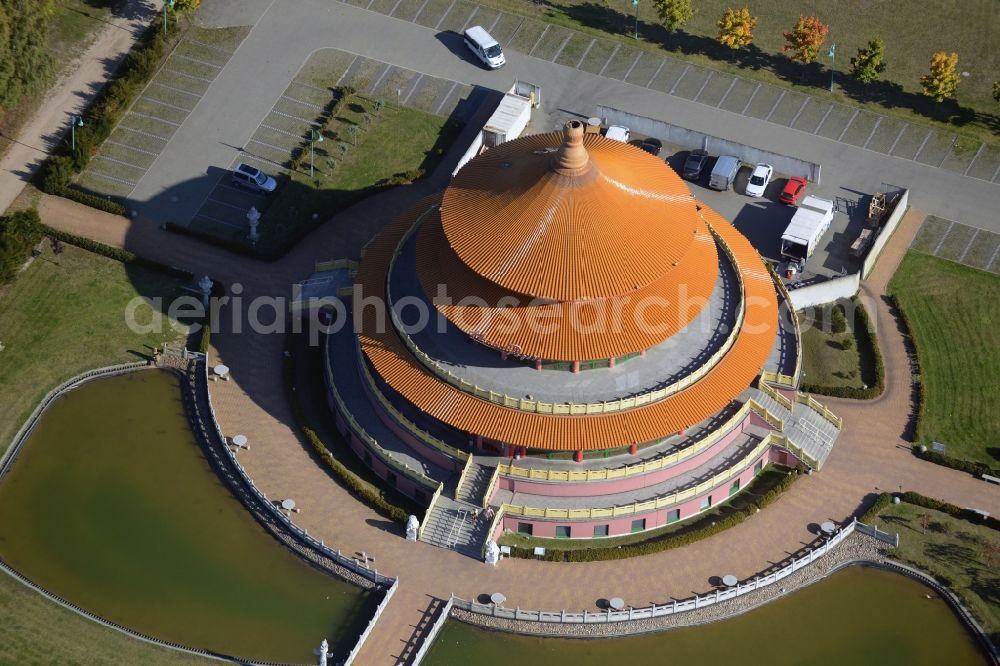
{"x":341,"y":96}
{"x":20,"y":232}
{"x":916,"y":499}
{"x":374,"y":498}
{"x":974,"y":468}
{"x":921,"y":397}
{"x":115,"y":253}
{"x":865,"y":332}
{"x":697,"y":531}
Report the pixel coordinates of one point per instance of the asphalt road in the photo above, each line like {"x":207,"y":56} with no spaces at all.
{"x":286,"y":32}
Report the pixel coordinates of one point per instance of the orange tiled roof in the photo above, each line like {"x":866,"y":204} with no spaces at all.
{"x":734,"y":372}
{"x":608,"y":228}
{"x":578,"y":330}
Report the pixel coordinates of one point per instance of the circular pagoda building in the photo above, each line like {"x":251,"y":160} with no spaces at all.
{"x":568,"y":340}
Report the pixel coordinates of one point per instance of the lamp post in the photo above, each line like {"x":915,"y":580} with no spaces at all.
{"x":636,"y":4}
{"x":75,"y":121}
{"x":314,"y":138}
{"x":833,"y":58}
{"x":168,"y":4}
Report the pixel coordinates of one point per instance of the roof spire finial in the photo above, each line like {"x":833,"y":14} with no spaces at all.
{"x":572,"y":158}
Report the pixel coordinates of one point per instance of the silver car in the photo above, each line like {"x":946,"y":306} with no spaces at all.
{"x":252,"y":178}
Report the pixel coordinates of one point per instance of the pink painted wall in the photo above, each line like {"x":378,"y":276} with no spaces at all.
{"x":584,"y":529}
{"x":598,"y":488}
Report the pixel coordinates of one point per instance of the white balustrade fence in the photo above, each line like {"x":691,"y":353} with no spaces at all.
{"x":371,"y":623}
{"x":425,"y":646}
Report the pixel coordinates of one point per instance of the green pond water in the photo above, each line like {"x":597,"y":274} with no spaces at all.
{"x":858,"y":616}
{"x":112,"y":505}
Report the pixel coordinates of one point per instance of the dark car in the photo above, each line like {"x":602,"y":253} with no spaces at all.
{"x":694,"y":165}
{"x":793,"y":190}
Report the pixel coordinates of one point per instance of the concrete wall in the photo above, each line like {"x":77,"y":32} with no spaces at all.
{"x":885,"y":234}
{"x":685,"y":138}
{"x":826,"y":291}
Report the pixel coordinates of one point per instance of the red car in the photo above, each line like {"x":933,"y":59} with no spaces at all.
{"x":793,"y":190}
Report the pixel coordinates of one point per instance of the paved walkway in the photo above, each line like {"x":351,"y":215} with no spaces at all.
{"x":71,"y":95}
{"x":870,"y":455}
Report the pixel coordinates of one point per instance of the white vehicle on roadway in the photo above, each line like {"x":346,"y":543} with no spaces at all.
{"x":759,"y":179}
{"x":484,"y":46}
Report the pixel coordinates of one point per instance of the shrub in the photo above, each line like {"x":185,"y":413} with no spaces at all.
{"x":19,"y":233}
{"x":847,"y":343}
{"x":115,"y":253}
{"x":882,"y":503}
{"x":92,"y":200}
{"x":968,"y":466}
{"x":838,"y":320}
{"x":865,"y":334}
{"x":57,"y":175}
{"x":920,"y":398}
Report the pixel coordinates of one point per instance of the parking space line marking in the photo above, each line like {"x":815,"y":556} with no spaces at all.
{"x":381,"y":76}
{"x":561,"y":47}
{"x":877,"y":123}
{"x":91,"y":172}
{"x":299,"y":101}
{"x":585,"y":52}
{"x":173,"y":89}
{"x":280,"y":149}
{"x":200,"y":62}
{"x":370,"y":3}
{"x":968,"y":246}
{"x":209,"y":46}
{"x":974,"y":158}
{"x":848,"y":125}
{"x":708,"y":78}
{"x":143,"y":115}
{"x":167,"y":104}
{"x":898,"y":137}
{"x":663,"y":61}
{"x":495,"y":21}
{"x":444,"y":99}
{"x":465,"y":25}
{"x":420,"y":10}
{"x":306,"y":85}
{"x":251,"y":193}
{"x":186,"y":75}
{"x":540,"y":38}
{"x":125,"y":145}
{"x":275,"y":129}
{"x":823,"y":120}
{"x":776,"y":103}
{"x":122,"y":162}
{"x":413,"y":88}
{"x":215,"y":219}
{"x":951,"y":225}
{"x":993,"y":258}
{"x":288,"y":115}
{"x":799,"y":112}
{"x":259,"y":158}
{"x":139,"y":131}
{"x":951,"y":145}
{"x":728,"y":90}
{"x":610,"y":58}
{"x":634,"y":63}
{"x":752,"y":95}
{"x":683,"y":74}
{"x":347,"y":70}
{"x":995,"y":174}
{"x":516,"y":30}
{"x":924,"y":143}
{"x":395,"y":7}
{"x":443,"y":16}
{"x":223,"y":203}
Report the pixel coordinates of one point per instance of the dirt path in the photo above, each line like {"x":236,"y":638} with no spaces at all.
{"x":70,"y":95}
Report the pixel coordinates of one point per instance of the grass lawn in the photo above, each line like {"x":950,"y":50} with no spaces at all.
{"x":349,"y":167}
{"x":953,"y":551}
{"x":766,"y":480}
{"x":954,"y":311}
{"x":912,"y":32}
{"x":64,"y":315}
{"x":825,"y":360}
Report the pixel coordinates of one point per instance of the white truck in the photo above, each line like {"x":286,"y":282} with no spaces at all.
{"x":811,"y":220}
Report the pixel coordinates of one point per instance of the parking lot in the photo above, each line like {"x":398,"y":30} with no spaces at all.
{"x":613,"y":59}
{"x":164,"y":105}
{"x":957,"y":242}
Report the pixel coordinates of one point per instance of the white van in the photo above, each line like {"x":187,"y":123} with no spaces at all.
{"x":618,"y":133}
{"x":485,"y":47}
{"x":724,"y":173}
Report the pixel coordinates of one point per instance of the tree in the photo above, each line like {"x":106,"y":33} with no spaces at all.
{"x":184,"y":6}
{"x":805,"y":38}
{"x":19,"y":233}
{"x":870,"y":61}
{"x":25,"y":64}
{"x":942,"y":81}
{"x":673,"y":13}
{"x":736,"y":28}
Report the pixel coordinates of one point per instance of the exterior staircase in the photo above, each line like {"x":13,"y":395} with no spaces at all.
{"x":476,"y":484}
{"x":804,"y":426}
{"x":460,"y":524}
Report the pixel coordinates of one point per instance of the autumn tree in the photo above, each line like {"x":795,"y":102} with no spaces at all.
{"x":870,"y":61}
{"x":805,"y":38}
{"x":736,"y":28}
{"x":942,"y":81}
{"x":673,"y":13}
{"x":25,"y":64}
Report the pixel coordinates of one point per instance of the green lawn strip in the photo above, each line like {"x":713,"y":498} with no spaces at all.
{"x":983,"y":249}
{"x":763,"y":490}
{"x":66,"y":314}
{"x":825,"y":362}
{"x":956,"y":552}
{"x":34,"y":630}
{"x":952,"y":312}
{"x":955,"y":242}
